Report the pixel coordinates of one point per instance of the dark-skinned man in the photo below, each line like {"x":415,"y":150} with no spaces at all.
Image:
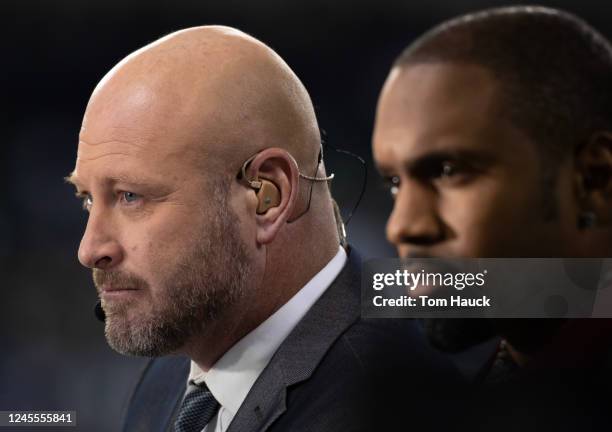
{"x":494,"y":133}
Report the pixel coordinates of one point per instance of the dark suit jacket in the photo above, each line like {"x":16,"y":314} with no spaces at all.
{"x":559,"y":389}
{"x":334,"y":372}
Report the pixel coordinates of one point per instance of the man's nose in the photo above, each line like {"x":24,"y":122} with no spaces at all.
{"x":99,"y":247}
{"x":415,"y":219}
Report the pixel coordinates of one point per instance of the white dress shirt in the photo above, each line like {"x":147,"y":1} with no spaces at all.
{"x":232,"y":376}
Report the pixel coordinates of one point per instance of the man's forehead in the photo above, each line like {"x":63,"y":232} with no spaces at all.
{"x":140,"y":118}
{"x":118,"y":155}
{"x":403,"y":139}
{"x":447,"y":76}
{"x":120,"y":149}
{"x":429,"y":91}
{"x":137,"y":137}
{"x":429,"y":107}
{"x":131,"y":111}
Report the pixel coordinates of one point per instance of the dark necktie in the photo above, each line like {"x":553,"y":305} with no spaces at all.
{"x":198,"y":407}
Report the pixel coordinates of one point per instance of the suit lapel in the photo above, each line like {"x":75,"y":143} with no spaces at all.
{"x":158,"y":395}
{"x":299,"y":355}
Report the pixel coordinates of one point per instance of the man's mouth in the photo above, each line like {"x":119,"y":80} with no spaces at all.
{"x":109,"y":291}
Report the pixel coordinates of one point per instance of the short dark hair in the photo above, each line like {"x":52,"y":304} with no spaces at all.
{"x":554,"y":70}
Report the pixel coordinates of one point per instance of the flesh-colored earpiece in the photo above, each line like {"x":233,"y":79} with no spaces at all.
{"x":268,"y":196}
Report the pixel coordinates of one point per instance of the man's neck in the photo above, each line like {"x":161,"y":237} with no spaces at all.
{"x":208,"y":347}
{"x":274,"y":291}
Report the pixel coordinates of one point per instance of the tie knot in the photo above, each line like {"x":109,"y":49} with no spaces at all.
{"x":198,"y":408}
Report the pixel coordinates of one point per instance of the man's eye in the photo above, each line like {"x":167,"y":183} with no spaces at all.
{"x":129,"y":197}
{"x":448,"y":169}
{"x":87,"y":201}
{"x":392,"y":183}
{"x":452,"y":171}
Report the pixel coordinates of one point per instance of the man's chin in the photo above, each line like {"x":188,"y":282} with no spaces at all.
{"x":454,"y":335}
{"x":142,"y":339}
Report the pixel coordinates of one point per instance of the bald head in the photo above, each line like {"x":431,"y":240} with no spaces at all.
{"x":171,"y":223}
{"x":215,"y":91}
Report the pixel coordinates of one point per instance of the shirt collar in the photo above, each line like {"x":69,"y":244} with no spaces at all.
{"x":232,"y":376}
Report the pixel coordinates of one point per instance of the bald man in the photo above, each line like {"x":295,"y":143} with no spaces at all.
{"x":211,"y":234}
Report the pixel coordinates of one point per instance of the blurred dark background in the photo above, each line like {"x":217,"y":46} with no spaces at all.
{"x":53,"y":53}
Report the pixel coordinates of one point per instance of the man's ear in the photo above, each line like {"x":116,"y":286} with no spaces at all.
{"x":594,"y":178}
{"x":277,"y":199}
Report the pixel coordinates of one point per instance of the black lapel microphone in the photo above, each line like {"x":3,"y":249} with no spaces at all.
{"x":99,"y":312}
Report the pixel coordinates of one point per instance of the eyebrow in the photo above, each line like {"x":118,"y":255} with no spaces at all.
{"x":128,"y":179}
{"x":71,"y":179}
{"x":427,"y":159}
